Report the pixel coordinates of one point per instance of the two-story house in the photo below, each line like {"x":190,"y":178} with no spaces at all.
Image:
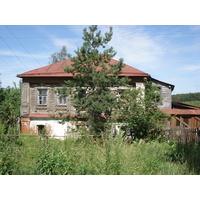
{"x":40,"y":102}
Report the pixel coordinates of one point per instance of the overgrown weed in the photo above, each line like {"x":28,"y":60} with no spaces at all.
{"x":87,"y":156}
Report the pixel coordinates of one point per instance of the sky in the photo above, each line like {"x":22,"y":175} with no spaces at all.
{"x":169,"y":53}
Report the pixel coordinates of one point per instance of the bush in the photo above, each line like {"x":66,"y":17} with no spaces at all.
{"x":141,"y":113}
{"x":9,"y":110}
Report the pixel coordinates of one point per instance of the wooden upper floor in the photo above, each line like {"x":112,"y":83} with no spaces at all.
{"x":40,"y":96}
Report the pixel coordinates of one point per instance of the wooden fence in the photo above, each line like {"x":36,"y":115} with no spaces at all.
{"x":180,"y":134}
{"x":183,"y":135}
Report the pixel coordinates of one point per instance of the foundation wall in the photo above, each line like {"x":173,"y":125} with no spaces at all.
{"x":25,"y":125}
{"x":52,"y":127}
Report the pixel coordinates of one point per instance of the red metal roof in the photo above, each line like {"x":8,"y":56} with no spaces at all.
{"x":56,"y":70}
{"x":181,"y":111}
{"x":180,"y":105}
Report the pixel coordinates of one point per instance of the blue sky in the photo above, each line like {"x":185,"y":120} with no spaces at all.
{"x":169,"y":53}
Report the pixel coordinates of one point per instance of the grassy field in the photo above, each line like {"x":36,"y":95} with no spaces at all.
{"x":194,"y":103}
{"x":87,"y":156}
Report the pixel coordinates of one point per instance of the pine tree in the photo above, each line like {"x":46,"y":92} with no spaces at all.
{"x":93,"y":78}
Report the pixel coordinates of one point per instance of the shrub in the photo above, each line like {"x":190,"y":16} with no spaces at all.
{"x":141,"y":113}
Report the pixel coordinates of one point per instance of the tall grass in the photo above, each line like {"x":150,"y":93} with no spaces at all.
{"x":111,"y":156}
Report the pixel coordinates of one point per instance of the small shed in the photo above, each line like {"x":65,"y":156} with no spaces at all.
{"x":184,"y":115}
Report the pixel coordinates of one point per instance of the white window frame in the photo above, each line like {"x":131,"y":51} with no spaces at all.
{"x":42,"y":98}
{"x":61,"y":100}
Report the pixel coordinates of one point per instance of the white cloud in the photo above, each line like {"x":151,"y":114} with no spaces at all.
{"x":137,"y":48}
{"x":22,"y":54}
{"x":133,"y":44}
{"x":13,"y":53}
{"x":192,"y":67}
{"x":71,"y":38}
{"x":70,"y":43}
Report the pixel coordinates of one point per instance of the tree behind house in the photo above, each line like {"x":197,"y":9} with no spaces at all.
{"x":59,"y":56}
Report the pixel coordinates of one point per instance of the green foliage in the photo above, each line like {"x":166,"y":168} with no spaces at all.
{"x":193,"y":103}
{"x":59,"y":56}
{"x":9,"y":154}
{"x":186,"y":97}
{"x":7,"y":162}
{"x":190,"y":98}
{"x":93,"y":77}
{"x":50,"y":161}
{"x":87,"y":156}
{"x":140,"y":112}
{"x":186,"y":154}
{"x":111,"y":156}
{"x":10,"y":108}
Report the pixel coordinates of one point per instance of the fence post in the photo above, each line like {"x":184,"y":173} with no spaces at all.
{"x":198,"y":135}
{"x":171,"y":135}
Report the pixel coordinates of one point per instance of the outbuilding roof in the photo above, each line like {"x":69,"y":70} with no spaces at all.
{"x":179,"y":108}
{"x":181,"y":111}
{"x":180,"y":105}
{"x":57,"y":70}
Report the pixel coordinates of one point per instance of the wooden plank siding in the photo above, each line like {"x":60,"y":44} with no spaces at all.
{"x":185,"y":121}
{"x":183,"y":129}
{"x":183,"y":135}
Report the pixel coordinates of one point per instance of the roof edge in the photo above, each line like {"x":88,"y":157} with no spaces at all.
{"x":171,"y":85}
{"x":57,"y":70}
{"x":181,"y":111}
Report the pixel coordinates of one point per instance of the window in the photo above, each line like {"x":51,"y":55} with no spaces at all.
{"x":42,"y":97}
{"x":62,"y":100}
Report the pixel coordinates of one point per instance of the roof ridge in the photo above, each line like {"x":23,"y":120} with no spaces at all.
{"x":58,"y":68}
